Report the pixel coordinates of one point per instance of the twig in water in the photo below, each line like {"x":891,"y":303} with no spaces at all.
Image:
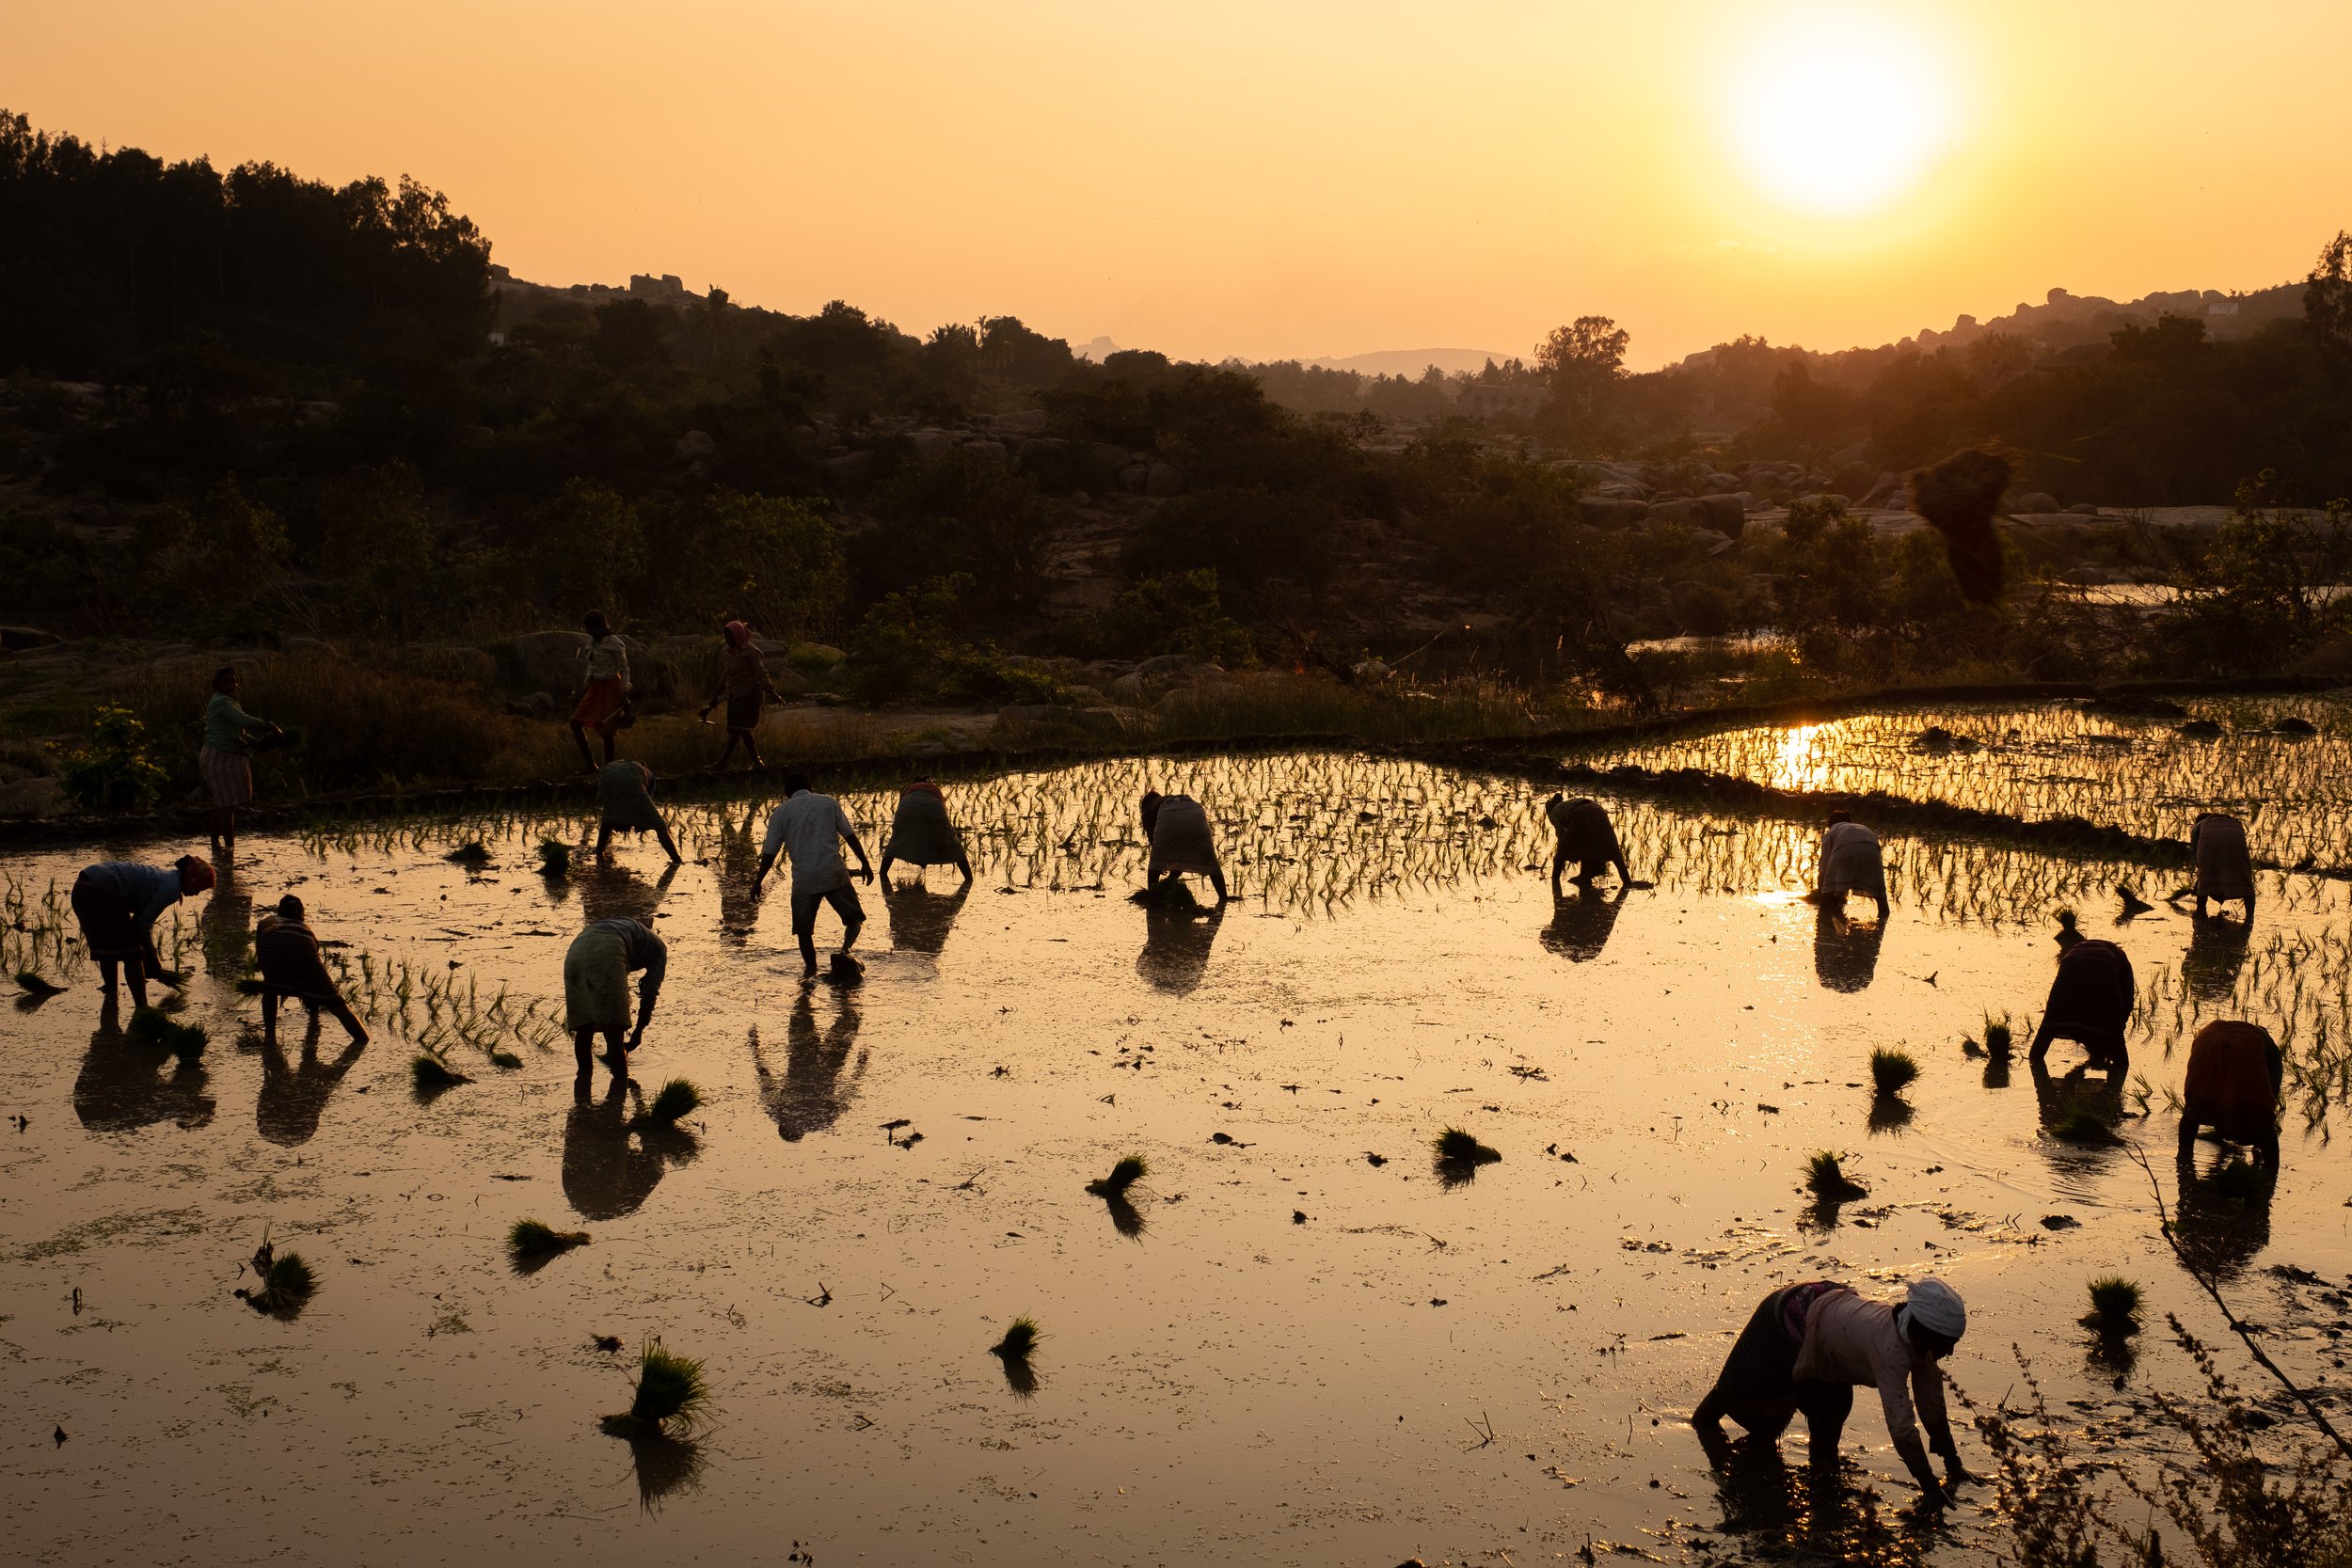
{"x":1486,"y":1432}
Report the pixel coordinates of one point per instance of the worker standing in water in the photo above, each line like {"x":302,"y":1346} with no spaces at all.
{"x":812,"y":828}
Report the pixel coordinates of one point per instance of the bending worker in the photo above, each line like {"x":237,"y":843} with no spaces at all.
{"x":595,"y":991}
{"x":1587,"y":837}
{"x":1808,"y":1347}
{"x":291,"y":968}
{"x":1852,"y":861}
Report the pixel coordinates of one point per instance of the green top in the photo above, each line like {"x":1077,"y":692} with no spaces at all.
{"x":224,"y":724}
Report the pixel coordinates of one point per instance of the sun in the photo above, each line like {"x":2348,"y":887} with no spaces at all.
{"x":1839,"y":114}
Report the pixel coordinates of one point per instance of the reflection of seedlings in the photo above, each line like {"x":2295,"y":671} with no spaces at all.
{"x":432,"y":1075}
{"x":2238,"y":1181}
{"x":1825,"y":1178}
{"x":2114,"y":1306}
{"x":471,"y":854}
{"x":672,"y":1396}
{"x":153,"y":1027}
{"x":666,"y":1465}
{"x":1125,"y":1174}
{"x":555,"y":858}
{"x":673,"y":1101}
{"x":531,"y":1242}
{"x":1013,"y":1351}
{"x":1892,"y":1072}
{"x":2081,"y":1125}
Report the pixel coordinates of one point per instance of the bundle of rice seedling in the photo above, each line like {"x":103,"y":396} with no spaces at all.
{"x":2082,"y":1125}
{"x":32,"y":982}
{"x":431,"y":1074}
{"x":2114,"y":1306}
{"x":1123,"y":1174}
{"x":1825,"y":1178}
{"x":555,"y":858}
{"x":1019,"y":1340}
{"x":1892,"y":1072}
{"x":250,"y":984}
{"x":506,"y":1061}
{"x":529,"y":1239}
{"x":1997,"y":1037}
{"x":471,"y":854}
{"x":672,"y":1395}
{"x":674,"y":1100}
{"x":152,"y":1026}
{"x":287,"y":1285}
{"x":1458,"y":1148}
{"x":1959,"y":497}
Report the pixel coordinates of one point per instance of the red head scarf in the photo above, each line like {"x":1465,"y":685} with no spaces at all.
{"x":738,"y":634}
{"x":195,"y":875}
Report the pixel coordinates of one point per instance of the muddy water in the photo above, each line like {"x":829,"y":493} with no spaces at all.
{"x":1280,"y":1352}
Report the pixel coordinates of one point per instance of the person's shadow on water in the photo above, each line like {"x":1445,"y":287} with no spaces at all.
{"x":1582,"y":922}
{"x":921,"y":919}
{"x":120,"y":1090}
{"x":615,"y":892}
{"x":2216,"y":951}
{"x":294,"y":1097}
{"x":809,"y":1095}
{"x":2223,"y":1218}
{"x":1845,"y":955}
{"x":225,"y":930}
{"x":1178,"y":932}
{"x":611,"y":1166}
{"x":738,"y":869}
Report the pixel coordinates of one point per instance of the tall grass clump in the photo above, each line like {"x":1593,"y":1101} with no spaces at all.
{"x":672,"y":1395}
{"x":1455,"y":1146}
{"x":533,"y":1240}
{"x":1825,"y":1178}
{"x":675,"y":1100}
{"x":1125,"y":1174}
{"x":153,"y":1027}
{"x":2114,"y":1306}
{"x":1892,"y":1072}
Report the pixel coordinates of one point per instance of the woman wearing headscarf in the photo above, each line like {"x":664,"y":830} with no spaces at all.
{"x":1806,"y":1349}
{"x":2225,"y":870}
{"x":2236,"y":1071}
{"x":1178,"y":830}
{"x":226,"y":762}
{"x":604,"y":696}
{"x":2090,"y":1002}
{"x":625,"y":800}
{"x":291,"y":968}
{"x":118,"y":903}
{"x":922,"y":833}
{"x":744,"y":685}
{"x":1585,"y":836}
{"x":1852,"y":861}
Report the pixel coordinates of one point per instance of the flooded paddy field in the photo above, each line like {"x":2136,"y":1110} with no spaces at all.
{"x":2146,"y":775}
{"x":1294,"y":1341}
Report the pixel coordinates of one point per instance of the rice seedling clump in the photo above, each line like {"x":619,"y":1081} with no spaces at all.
{"x":2114,"y":1306}
{"x":287,"y":1285}
{"x":2081,"y":1125}
{"x":673,"y":1102}
{"x":555,"y":858}
{"x":1125,"y":1174}
{"x":471,"y":854}
{"x":32,"y":982}
{"x":533,"y":1239}
{"x":1997,"y":1037}
{"x":672,"y":1395}
{"x":1020,"y":1340}
{"x":1892,"y":1072}
{"x":152,"y":1026}
{"x":1458,"y":1147}
{"x":430,"y":1074}
{"x":1825,"y":1178}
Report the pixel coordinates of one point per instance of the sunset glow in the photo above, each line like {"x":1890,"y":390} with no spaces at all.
{"x":1840,"y":114}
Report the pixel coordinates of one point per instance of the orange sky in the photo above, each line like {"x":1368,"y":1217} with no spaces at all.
{"x":1286,"y":177}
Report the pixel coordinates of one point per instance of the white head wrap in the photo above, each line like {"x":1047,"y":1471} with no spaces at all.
{"x":1935,"y":1306}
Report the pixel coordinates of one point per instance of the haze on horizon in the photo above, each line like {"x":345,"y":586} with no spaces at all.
{"x":1305,"y":179}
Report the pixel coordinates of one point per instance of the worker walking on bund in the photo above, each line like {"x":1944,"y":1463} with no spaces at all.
{"x":1809,"y":1346}
{"x":814,"y":827}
